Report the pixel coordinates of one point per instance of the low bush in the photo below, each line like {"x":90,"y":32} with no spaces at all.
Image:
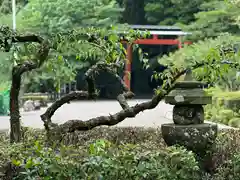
{"x":226,"y":147}
{"x":227,"y":156}
{"x":104,"y":160}
{"x":229,"y":170}
{"x":115,"y":153}
{"x":225,"y":107}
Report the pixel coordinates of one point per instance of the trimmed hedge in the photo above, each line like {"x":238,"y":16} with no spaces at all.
{"x":43,"y":98}
{"x":225,"y":108}
{"x":115,"y":153}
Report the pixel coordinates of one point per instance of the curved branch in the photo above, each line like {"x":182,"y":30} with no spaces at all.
{"x":78,"y":95}
{"x":122,"y":99}
{"x":13,"y":37}
{"x":111,"y":120}
{"x":103,"y":66}
{"x":90,"y":94}
{"x":41,"y":57}
{"x":127,"y":112}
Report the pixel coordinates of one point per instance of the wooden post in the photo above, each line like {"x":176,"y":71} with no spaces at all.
{"x":128,"y":64}
{"x":179,"y":42}
{"x":155,"y":36}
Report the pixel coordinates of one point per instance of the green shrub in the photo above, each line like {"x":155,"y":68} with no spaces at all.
{"x":235,"y":122}
{"x":229,"y":95}
{"x":225,"y":107}
{"x":145,"y":158}
{"x":104,"y":160}
{"x":212,"y":91}
{"x":126,"y":135}
{"x":219,"y":114}
{"x":233,"y":104}
{"x":34,"y":98}
{"x":226,"y":147}
{"x":114,"y":153}
{"x":230,"y":100}
{"x":229,"y":170}
{"x":226,"y":115}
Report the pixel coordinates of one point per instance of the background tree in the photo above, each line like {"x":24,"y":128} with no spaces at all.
{"x":216,"y":17}
{"x":6,"y":6}
{"x":134,"y":12}
{"x":107,"y":52}
{"x":54,"y":16}
{"x":172,"y":12}
{"x":217,"y":74}
{"x":38,"y":17}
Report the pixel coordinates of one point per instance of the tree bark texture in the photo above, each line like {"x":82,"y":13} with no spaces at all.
{"x":17,"y":72}
{"x":15,"y":126}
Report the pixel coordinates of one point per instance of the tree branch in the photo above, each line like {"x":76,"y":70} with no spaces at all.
{"x":127,"y":112}
{"x":90,"y":94}
{"x":11,"y":37}
{"x":27,"y":38}
{"x":111,"y":120}
{"x":102,"y":66}
{"x":122,"y":99}
{"x":77,"y":95}
{"x":110,"y":68}
{"x":40,"y":57}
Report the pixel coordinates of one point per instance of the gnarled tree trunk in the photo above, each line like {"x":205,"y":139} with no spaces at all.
{"x":17,"y":72}
{"x":15,"y":134}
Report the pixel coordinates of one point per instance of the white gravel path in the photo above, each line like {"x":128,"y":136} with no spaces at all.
{"x":87,"y":109}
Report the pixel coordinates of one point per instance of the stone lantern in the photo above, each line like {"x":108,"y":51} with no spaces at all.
{"x":189,"y":129}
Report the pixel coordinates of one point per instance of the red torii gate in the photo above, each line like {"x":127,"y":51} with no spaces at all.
{"x":155,"y":31}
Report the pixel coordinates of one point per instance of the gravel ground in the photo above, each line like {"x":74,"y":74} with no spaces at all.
{"x":87,"y":109}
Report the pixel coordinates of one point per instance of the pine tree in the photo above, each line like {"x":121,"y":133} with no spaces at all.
{"x":216,"y":17}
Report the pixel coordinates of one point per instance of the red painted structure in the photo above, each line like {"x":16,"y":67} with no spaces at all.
{"x":153,"y":41}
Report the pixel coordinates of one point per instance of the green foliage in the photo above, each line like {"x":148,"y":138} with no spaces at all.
{"x":236,"y":3}
{"x":227,"y":156}
{"x":227,"y":147}
{"x":229,"y":95}
{"x":235,"y":122}
{"x":55,"y":16}
{"x":59,"y":16}
{"x":130,"y":153}
{"x":211,"y":59}
{"x":172,"y":11}
{"x":71,"y":50}
{"x":134,"y":12}
{"x":230,"y":170}
{"x":4,"y":86}
{"x":215,"y":17}
{"x":6,"y":6}
{"x":106,"y":160}
{"x":222,"y":109}
{"x":5,"y":66}
{"x":34,"y":97}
